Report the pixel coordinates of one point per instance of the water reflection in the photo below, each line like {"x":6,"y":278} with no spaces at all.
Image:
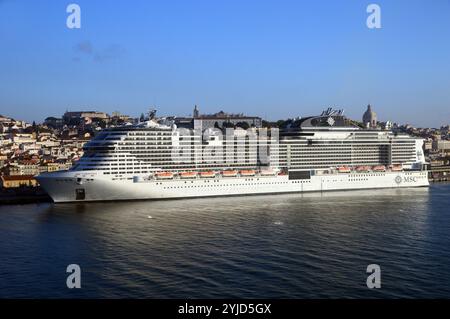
{"x":298,"y":245}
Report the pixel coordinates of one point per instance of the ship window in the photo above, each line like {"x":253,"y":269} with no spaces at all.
{"x":80,"y":194}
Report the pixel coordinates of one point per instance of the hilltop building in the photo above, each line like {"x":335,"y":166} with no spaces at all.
{"x":54,"y":122}
{"x":79,"y":116}
{"x":222,"y":119}
{"x":369,"y":118}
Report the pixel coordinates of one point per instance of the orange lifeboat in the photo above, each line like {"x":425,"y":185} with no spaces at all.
{"x":164,"y":175}
{"x":267,"y":172}
{"x":379,"y":168}
{"x":209,"y":174}
{"x":248,"y":172}
{"x":344,"y":169}
{"x":229,"y":173}
{"x":363,"y":169}
{"x":188,"y":175}
{"x":396,"y":168}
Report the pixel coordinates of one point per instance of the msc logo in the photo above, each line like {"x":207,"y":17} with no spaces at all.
{"x":409,"y":179}
{"x":405,"y":179}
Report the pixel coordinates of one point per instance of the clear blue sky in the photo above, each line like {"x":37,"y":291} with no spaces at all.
{"x":276,"y":59}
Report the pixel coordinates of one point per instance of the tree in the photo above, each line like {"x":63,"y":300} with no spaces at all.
{"x":281,"y":123}
{"x":227,"y":125}
{"x":243,"y":125}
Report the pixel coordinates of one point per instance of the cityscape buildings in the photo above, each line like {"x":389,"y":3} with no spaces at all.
{"x":27,"y":149}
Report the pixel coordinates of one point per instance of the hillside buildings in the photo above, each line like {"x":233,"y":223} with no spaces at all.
{"x":29,"y":149}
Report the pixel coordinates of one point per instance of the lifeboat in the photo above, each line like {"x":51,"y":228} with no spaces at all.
{"x":209,"y":174}
{"x":379,"y":168}
{"x":396,"y":168}
{"x":248,"y":172}
{"x":363,"y":168}
{"x":229,"y":173}
{"x":164,"y":175}
{"x":188,"y":175}
{"x":344,"y":169}
{"x":267,"y":172}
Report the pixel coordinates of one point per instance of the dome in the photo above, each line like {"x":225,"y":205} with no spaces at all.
{"x":369,"y":117}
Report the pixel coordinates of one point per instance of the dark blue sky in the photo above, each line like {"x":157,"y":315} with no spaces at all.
{"x":276,"y":59}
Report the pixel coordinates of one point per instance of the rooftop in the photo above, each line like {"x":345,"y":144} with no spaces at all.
{"x":17,"y":177}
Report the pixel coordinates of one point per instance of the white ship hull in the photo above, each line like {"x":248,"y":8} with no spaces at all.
{"x":68,"y":186}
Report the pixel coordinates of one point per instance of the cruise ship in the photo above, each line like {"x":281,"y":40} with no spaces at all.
{"x":155,"y":159}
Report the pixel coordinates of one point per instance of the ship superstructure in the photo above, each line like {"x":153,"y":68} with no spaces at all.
{"x":156,"y":159}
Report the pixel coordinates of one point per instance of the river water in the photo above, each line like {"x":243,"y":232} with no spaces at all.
{"x":281,"y":246}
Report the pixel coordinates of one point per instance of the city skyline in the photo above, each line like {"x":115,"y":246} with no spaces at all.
{"x":274,"y":60}
{"x":136,"y":117}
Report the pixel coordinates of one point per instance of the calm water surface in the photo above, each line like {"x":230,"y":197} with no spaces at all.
{"x":283,"y":246}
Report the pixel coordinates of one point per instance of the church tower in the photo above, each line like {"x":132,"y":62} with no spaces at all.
{"x":196,"y":112}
